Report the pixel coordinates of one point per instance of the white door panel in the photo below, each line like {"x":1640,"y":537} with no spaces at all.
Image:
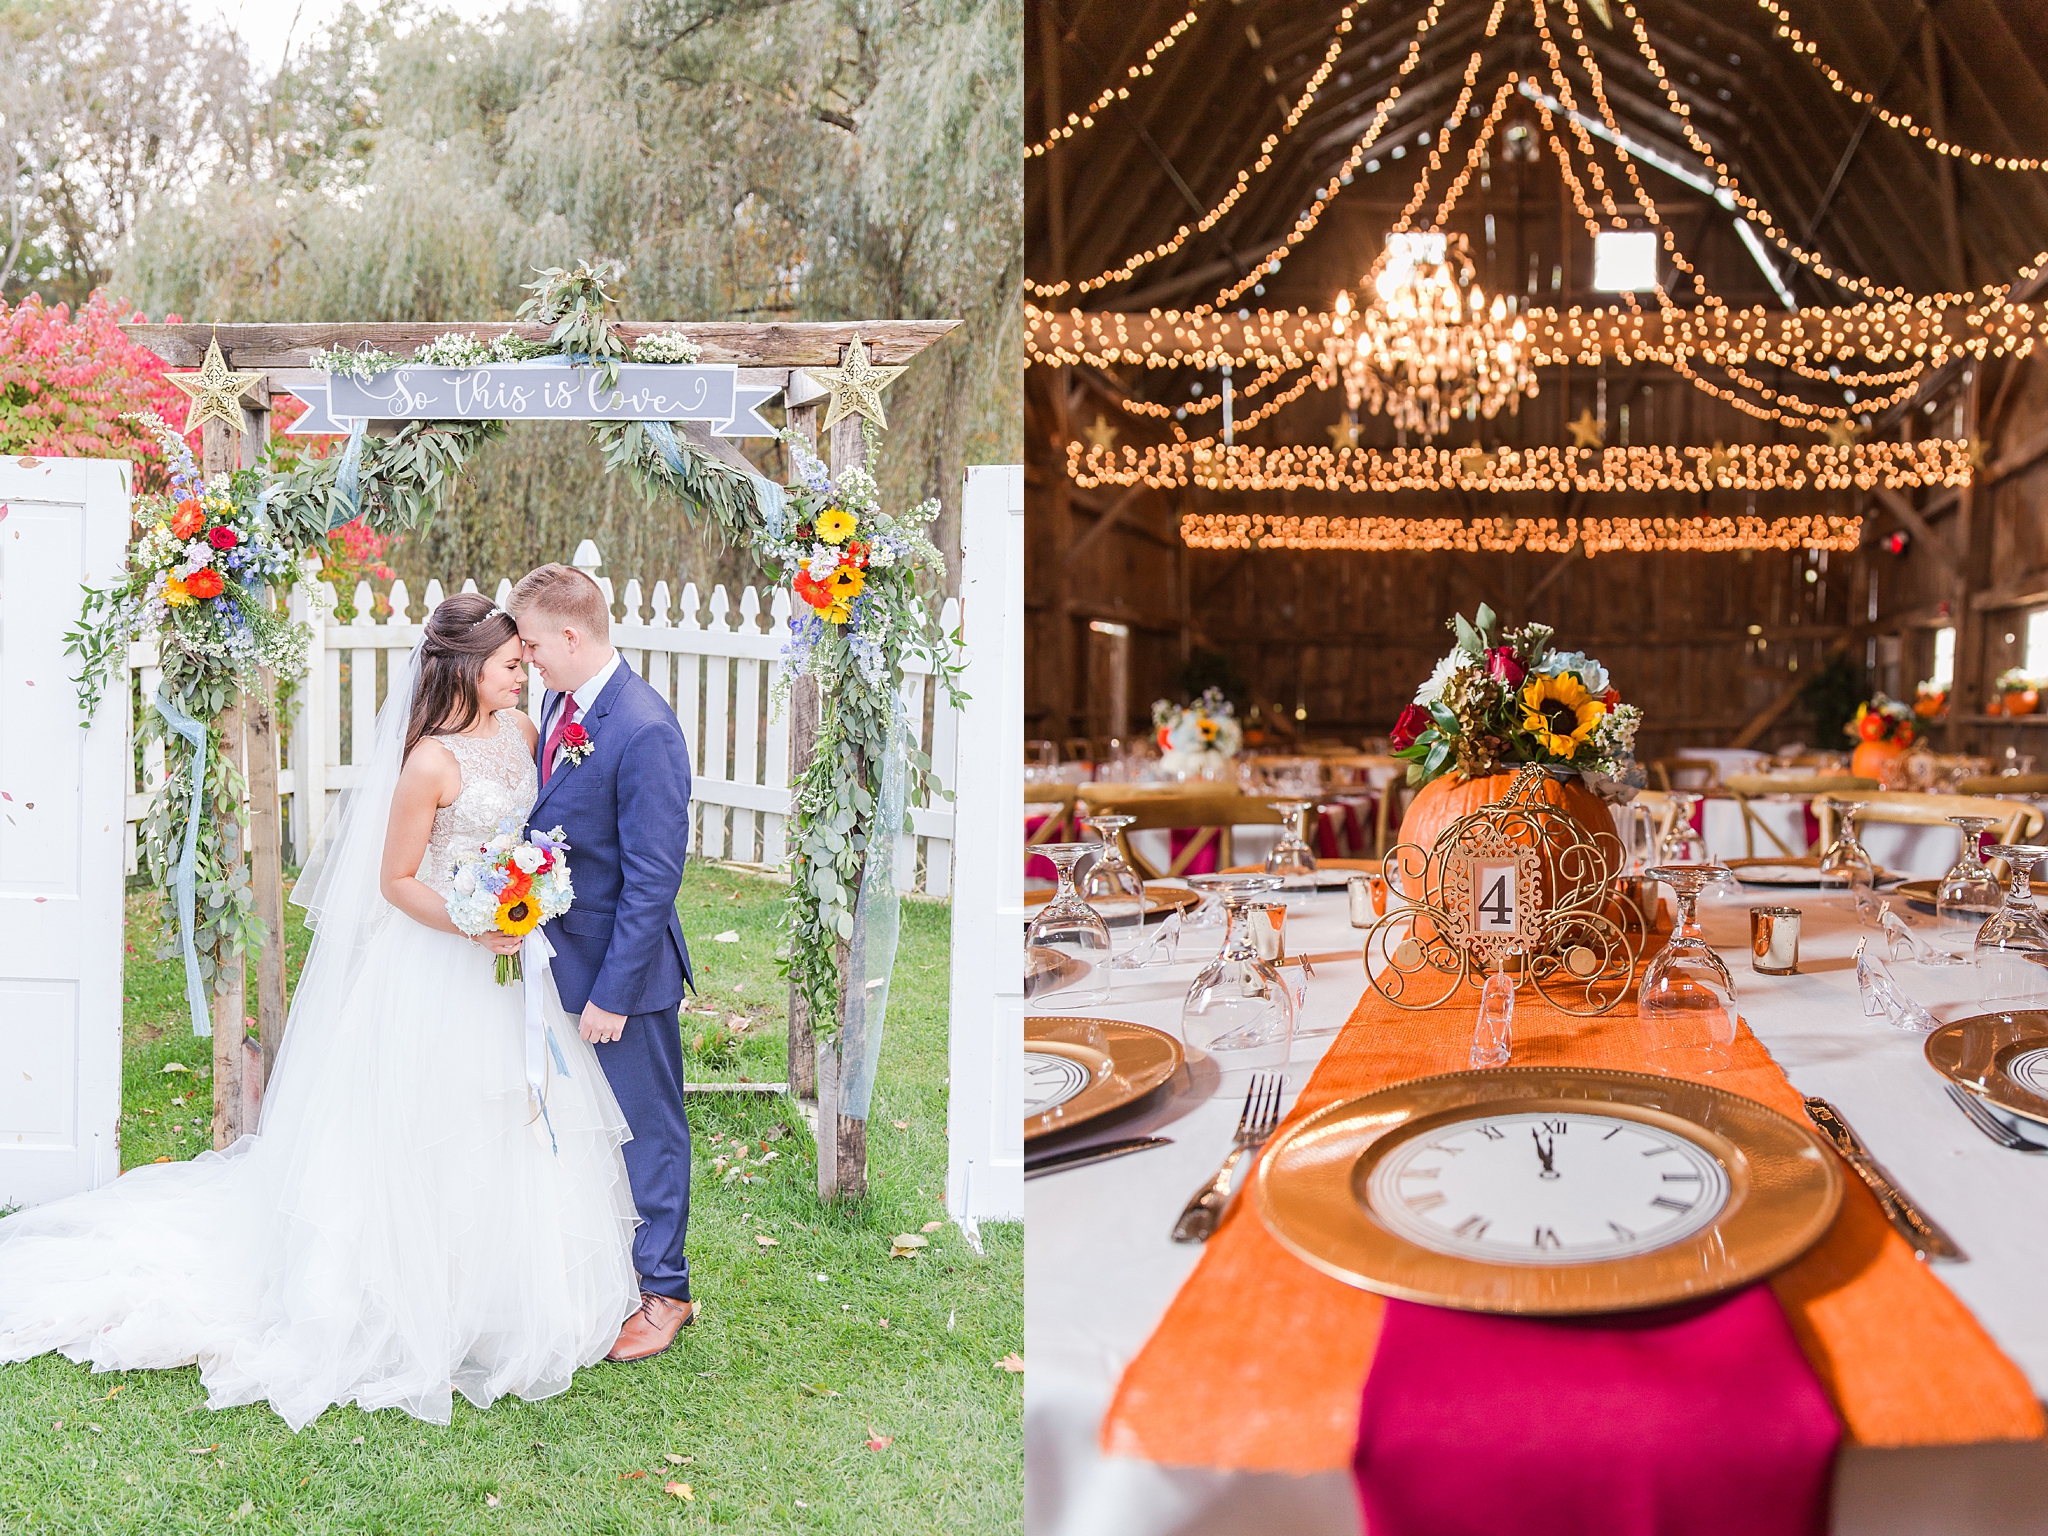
{"x":63,"y":523}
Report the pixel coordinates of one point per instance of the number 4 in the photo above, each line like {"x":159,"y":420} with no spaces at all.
{"x":1495,"y":904}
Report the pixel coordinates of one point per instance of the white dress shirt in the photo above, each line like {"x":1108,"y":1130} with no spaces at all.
{"x":584,"y":697}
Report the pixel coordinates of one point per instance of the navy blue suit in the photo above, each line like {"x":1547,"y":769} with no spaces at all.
{"x":625,"y":811}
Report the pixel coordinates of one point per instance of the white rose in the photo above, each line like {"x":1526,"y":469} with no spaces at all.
{"x":527,"y":857}
{"x":465,"y":880}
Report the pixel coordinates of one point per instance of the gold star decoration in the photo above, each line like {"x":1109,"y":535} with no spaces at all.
{"x":1718,"y":460}
{"x":856,"y":386}
{"x":1343,"y":434}
{"x":1586,"y":432}
{"x":1974,"y":446}
{"x":1841,"y":433}
{"x":216,"y":390}
{"x":1102,"y":434}
{"x":1475,"y":461}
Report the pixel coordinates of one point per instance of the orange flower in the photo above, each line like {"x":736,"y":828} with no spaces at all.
{"x":519,"y":884}
{"x":204,"y":582}
{"x":188,"y":519}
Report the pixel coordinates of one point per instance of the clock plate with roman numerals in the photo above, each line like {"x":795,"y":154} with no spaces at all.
{"x":1542,"y":1190}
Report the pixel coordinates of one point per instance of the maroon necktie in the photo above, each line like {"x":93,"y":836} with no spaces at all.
{"x":567,"y":714}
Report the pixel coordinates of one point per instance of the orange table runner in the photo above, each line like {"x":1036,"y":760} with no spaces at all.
{"x":1260,"y":1360}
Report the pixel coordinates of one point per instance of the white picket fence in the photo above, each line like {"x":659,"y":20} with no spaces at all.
{"x":717,"y":663}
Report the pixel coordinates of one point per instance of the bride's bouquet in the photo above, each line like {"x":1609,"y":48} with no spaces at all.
{"x":511,"y":885}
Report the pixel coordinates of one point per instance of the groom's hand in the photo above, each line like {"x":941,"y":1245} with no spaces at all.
{"x":598,"y":1026}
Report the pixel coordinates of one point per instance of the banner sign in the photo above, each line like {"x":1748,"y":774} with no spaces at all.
{"x":547,"y":390}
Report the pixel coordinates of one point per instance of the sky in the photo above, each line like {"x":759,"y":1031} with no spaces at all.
{"x":268,"y":26}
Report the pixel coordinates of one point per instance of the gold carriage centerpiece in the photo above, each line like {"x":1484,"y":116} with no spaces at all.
{"x":1521,"y":885}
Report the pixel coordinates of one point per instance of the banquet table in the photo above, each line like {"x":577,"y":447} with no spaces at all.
{"x":1101,"y":1269}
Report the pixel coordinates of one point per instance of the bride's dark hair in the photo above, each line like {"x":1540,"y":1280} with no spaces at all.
{"x":461,"y":636}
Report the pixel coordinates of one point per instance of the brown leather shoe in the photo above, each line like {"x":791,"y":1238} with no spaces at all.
{"x":653,"y":1328}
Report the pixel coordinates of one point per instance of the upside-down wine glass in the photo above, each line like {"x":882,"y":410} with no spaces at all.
{"x":1968,"y":894}
{"x":1846,"y":858}
{"x":2013,"y":943}
{"x":1292,"y":860}
{"x":1682,"y":844}
{"x":1687,"y":999}
{"x":1068,"y":944}
{"x":1112,"y":887}
{"x":1240,"y":1009}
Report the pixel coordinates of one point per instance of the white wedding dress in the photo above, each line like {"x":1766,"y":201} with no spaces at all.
{"x":400,"y":1229}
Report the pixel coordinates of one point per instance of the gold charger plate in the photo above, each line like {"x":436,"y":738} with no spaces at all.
{"x":1783,"y":1188}
{"x":1920,"y":894}
{"x":1078,"y":1069}
{"x":1158,"y":898}
{"x":2002,"y":1057}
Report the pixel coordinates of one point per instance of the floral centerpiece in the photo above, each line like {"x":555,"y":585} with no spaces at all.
{"x":1498,"y":701}
{"x":1930,"y":700}
{"x":511,"y":885}
{"x":1197,"y":739}
{"x":1883,"y":729}
{"x":2017,"y":691}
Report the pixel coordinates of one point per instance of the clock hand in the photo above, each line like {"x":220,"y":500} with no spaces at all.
{"x":1545,"y":1152}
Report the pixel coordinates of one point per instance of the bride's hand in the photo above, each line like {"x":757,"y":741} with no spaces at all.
{"x":500,"y":943}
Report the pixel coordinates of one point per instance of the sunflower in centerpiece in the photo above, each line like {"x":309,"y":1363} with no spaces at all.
{"x":1560,"y":714}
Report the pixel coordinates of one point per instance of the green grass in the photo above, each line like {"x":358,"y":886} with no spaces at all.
{"x":772,"y":1397}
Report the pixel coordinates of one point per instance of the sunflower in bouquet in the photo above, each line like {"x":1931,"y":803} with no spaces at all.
{"x":1503,"y":698}
{"x":511,"y":884}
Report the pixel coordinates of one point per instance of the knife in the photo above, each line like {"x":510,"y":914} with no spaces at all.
{"x":1080,"y":1157}
{"x":1910,"y":1222}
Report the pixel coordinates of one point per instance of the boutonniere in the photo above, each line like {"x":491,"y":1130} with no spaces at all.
{"x":576,"y":743}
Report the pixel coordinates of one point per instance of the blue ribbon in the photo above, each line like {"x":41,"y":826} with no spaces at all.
{"x":347,"y":479}
{"x":186,"y":879}
{"x":768,"y":496}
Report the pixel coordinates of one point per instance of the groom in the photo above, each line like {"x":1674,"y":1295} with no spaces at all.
{"x":615,"y":776}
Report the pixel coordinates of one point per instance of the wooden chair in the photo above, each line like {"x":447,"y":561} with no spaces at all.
{"x":2021,"y":823}
{"x":1054,"y":802}
{"x":2012,"y":784}
{"x":1745,"y":787}
{"x":1212,"y":812}
{"x":1694,"y":773}
{"x":1663,"y":813}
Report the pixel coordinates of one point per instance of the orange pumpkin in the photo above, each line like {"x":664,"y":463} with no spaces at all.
{"x":2022,"y":701}
{"x":1445,"y":800}
{"x":1871,"y":756}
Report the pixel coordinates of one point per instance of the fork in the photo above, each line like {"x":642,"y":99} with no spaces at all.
{"x":1989,"y":1123}
{"x":1260,"y":1116}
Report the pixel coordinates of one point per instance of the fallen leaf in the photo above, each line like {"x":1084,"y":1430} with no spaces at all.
{"x":490,"y":1501}
{"x":906,"y":1244}
{"x":116,"y":1392}
{"x":1012,"y":1362}
{"x":727,"y":937}
{"x":818,"y":1389}
{"x":931,"y":1226}
{"x":681,"y":1491}
{"x":202,"y":1450}
{"x":357,"y":1441}
{"x":879,"y":1442}
{"x":95,"y":1429}
{"x":901,"y":1125}
{"x":148,"y":1111}
{"x":626,"y":1477}
{"x":882,"y":1322}
{"x":164,"y":1159}
{"x":673,"y":1459}
{"x":176,"y":1066}
{"x":246,"y":1507}
{"x":58,"y":1425}
{"x":766,"y":1241}
{"x":800,"y":1504}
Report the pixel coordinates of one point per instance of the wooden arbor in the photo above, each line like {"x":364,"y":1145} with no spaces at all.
{"x":766,"y":355}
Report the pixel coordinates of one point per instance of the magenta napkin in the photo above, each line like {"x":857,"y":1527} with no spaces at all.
{"x":1696,"y":1421}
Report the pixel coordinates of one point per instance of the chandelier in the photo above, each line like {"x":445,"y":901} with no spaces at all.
{"x":1429,"y":349}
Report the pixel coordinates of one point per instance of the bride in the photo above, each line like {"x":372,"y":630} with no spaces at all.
{"x":405,"y":1225}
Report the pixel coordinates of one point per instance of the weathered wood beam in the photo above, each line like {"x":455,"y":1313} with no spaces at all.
{"x":1766,"y":717}
{"x":790,"y":344}
{"x":1908,"y":514}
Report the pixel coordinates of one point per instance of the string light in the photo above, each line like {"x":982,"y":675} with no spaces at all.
{"x":1137,"y":261}
{"x":1903,"y":121}
{"x":1744,"y":467}
{"x":1537,"y":535}
{"x":1080,"y":122}
{"x":1715,"y":336}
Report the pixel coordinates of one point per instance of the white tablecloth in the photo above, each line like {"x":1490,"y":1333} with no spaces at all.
{"x":1100,"y":1268}
{"x":1927,"y":852}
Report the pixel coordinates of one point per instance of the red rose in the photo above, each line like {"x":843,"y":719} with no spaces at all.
{"x":1502,"y":667}
{"x":1413,"y":722}
{"x":204,"y":582}
{"x":573,"y":735}
{"x":1610,"y":698}
{"x":223,"y":538}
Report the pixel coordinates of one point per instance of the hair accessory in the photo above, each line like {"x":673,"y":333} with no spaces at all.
{"x":494,"y":613}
